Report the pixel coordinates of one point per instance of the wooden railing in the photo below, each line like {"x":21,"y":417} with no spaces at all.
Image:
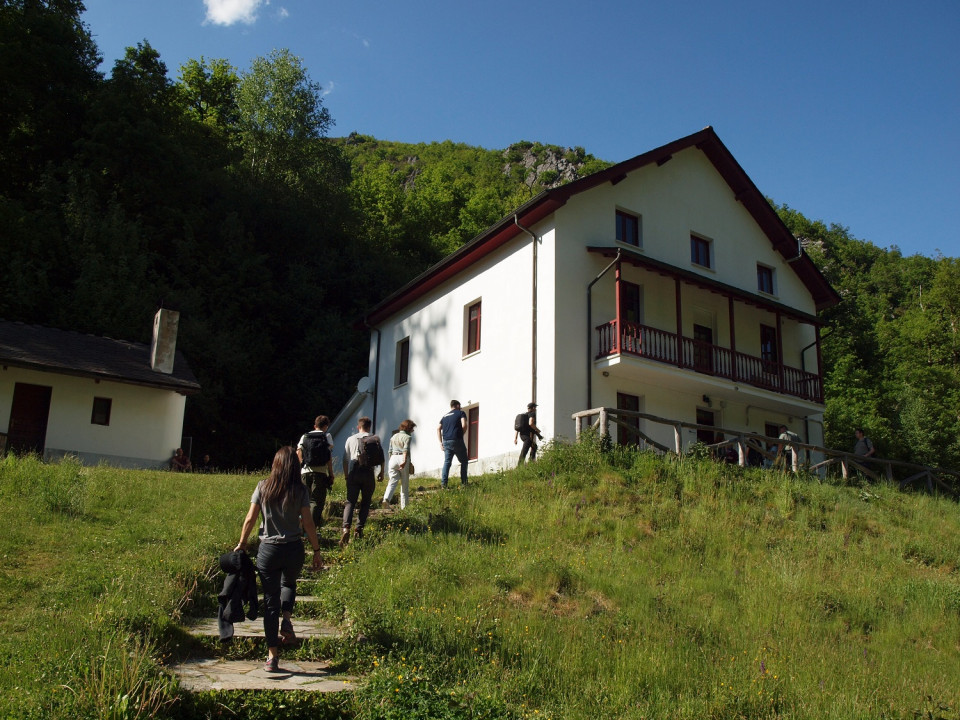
{"x":747,"y":444}
{"x":662,"y":346}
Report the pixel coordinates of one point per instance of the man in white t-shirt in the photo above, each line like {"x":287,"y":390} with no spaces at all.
{"x":315,"y":451}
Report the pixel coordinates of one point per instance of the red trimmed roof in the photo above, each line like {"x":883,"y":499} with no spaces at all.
{"x":548,"y":201}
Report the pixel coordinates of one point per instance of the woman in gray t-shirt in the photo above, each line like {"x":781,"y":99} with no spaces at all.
{"x":284,"y":502}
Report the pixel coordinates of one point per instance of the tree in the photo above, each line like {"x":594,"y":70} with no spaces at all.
{"x":281,"y":114}
{"x":209,"y":90}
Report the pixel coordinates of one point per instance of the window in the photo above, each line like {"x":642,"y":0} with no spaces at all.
{"x":402,"y":373}
{"x":628,"y":228}
{"x":101,"y":411}
{"x":700,"y":251}
{"x":768,"y":348}
{"x":705,"y":434}
{"x":472,"y":328}
{"x":765,"y":279}
{"x":473,"y":432}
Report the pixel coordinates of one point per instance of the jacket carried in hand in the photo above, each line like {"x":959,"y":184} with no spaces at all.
{"x":239,"y":589}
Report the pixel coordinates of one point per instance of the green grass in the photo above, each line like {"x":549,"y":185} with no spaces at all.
{"x":590,"y":584}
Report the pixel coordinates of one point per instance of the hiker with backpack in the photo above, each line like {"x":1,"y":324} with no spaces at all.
{"x":864,"y":446}
{"x":315,"y":451}
{"x":525,"y":428}
{"x":363,"y":467}
{"x":399,"y":466}
{"x":788,"y":452}
{"x":450,"y":431}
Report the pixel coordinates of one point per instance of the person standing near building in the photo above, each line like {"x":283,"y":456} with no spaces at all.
{"x":787,"y":450}
{"x":863,"y":447}
{"x":361,"y":481}
{"x":399,"y":466}
{"x":450,"y":433}
{"x":526,"y":432}
{"x":315,"y":451}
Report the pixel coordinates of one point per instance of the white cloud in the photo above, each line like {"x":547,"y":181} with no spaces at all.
{"x":229,"y":12}
{"x":326,"y":91}
{"x":283,"y":13}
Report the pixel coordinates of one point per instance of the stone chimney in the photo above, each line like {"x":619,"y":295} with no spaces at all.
{"x":164,"y":343}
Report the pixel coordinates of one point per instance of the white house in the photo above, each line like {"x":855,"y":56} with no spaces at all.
{"x":99,"y":399}
{"x":665,"y":284}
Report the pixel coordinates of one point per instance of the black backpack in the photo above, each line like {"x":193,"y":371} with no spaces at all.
{"x":316,"y":449}
{"x":371,"y":452}
{"x":520,"y":422}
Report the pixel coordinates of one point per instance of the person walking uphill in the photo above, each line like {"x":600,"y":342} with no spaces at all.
{"x":399,"y":466}
{"x":283,"y":501}
{"x":450,"y":432}
{"x":315,"y":451}
{"x":526,"y":427}
{"x":361,"y":478}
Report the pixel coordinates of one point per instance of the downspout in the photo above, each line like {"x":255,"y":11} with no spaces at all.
{"x":376,"y":375}
{"x":803,"y":367}
{"x":533,"y":312}
{"x":798,"y":255}
{"x":590,"y":328}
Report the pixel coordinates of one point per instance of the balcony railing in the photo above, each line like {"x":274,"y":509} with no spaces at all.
{"x":704,"y":357}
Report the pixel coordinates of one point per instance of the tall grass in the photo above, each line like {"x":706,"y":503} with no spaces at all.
{"x":596,"y":582}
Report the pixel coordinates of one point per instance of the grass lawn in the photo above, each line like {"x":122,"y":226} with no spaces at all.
{"x":591,"y":584}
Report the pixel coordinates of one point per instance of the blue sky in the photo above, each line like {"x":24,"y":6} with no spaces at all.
{"x":846,"y":111}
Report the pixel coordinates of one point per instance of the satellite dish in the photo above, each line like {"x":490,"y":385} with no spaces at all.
{"x":363,"y":387}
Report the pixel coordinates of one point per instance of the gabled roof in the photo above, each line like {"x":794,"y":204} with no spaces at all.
{"x":548,"y":201}
{"x":72,"y":353}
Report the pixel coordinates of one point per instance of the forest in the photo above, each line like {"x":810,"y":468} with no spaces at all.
{"x":223,"y":193}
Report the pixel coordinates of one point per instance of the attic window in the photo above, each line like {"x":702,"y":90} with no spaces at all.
{"x":700,"y":251}
{"x":101,"y":411}
{"x":765,"y":279}
{"x":628,"y":228}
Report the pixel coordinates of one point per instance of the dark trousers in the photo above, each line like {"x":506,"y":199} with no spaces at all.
{"x":361,"y":484}
{"x":279,"y":566}
{"x":529,"y":444}
{"x":453,"y":448}
{"x":317,"y":484}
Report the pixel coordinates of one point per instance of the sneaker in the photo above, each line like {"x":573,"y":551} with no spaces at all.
{"x":272,"y":665}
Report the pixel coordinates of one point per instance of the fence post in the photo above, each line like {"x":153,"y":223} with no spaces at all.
{"x":678,"y":439}
{"x":843,"y":467}
{"x":742,"y":451}
{"x":603,"y":422}
{"x":579,"y":424}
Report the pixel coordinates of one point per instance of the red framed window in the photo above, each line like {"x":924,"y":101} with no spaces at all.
{"x":765,"y":279}
{"x":628,"y":228}
{"x":700,"y":251}
{"x":473,"y":433}
{"x":403,"y":362}
{"x":473,"y":328}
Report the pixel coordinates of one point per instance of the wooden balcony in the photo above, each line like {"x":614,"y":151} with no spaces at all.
{"x":666,"y":347}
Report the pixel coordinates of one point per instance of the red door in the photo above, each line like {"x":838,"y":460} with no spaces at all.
{"x":27,"y":431}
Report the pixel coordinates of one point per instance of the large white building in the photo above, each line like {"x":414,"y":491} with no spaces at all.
{"x":665,"y":284}
{"x":98,"y":399}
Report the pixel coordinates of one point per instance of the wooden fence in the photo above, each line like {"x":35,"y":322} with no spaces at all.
{"x":748,"y":444}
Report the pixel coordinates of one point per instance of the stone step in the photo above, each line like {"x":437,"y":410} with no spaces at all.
{"x":204,"y":674}
{"x":304,"y":628}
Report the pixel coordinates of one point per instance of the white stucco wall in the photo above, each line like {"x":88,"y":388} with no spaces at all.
{"x":145,"y":427}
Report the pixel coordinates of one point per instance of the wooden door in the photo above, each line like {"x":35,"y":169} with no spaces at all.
{"x":27,"y":431}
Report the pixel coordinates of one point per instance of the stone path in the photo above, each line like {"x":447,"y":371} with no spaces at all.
{"x":204,"y":674}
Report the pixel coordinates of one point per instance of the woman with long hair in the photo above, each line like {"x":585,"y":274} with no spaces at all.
{"x":284,"y":502}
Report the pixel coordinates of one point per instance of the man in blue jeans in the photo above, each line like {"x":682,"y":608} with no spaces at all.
{"x":450,"y":434}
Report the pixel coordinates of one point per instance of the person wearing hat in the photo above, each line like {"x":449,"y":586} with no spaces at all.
{"x":526,"y":433}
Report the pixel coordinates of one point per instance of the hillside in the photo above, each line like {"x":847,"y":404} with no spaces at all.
{"x":590,"y":584}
